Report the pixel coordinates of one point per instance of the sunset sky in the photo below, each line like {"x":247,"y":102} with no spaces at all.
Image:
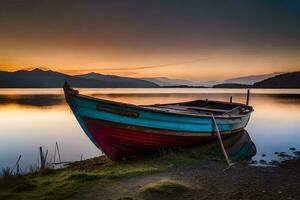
{"x":189,"y":39}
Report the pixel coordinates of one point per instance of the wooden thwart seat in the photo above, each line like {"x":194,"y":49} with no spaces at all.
{"x":176,"y":108}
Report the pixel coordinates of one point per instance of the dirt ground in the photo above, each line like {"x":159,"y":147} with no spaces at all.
{"x":208,"y":180}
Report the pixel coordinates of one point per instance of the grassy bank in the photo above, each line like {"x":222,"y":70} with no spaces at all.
{"x":83,"y":176}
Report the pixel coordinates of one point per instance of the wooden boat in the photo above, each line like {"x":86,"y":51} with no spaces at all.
{"x":121,"y":129}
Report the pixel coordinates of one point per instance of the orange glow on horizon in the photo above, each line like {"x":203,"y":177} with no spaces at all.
{"x":212,"y":67}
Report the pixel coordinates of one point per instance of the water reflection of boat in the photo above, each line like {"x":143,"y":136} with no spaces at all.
{"x":238,"y":146}
{"x":241,"y":147}
{"x":121,"y":129}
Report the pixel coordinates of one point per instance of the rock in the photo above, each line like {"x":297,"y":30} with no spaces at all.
{"x":263,"y":155}
{"x":262,"y":161}
{"x":283,"y":155}
{"x":253,"y":161}
{"x":293,"y":149}
{"x":274,"y":162}
{"x":297,"y":153}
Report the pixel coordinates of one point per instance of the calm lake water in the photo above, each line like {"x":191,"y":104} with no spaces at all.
{"x":30,"y":118}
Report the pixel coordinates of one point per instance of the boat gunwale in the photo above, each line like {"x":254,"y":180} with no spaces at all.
{"x":70,"y":91}
{"x":162,"y":111}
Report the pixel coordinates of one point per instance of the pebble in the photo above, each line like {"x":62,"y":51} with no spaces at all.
{"x":274,"y":161}
{"x":297,"y":153}
{"x":253,"y":161}
{"x":283,"y":155}
{"x":263,"y":161}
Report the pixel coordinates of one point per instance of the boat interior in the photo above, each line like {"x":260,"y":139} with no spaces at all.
{"x":203,"y":107}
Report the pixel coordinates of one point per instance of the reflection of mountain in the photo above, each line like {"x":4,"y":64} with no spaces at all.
{"x":38,"y":78}
{"x":32,"y":100}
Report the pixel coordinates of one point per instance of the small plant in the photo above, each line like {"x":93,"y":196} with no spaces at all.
{"x":47,"y":171}
{"x":10,"y":180}
{"x":33,"y":169}
{"x":23,"y":185}
{"x":6,"y":173}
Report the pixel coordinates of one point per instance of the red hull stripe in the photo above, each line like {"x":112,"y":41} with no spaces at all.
{"x":118,"y":142}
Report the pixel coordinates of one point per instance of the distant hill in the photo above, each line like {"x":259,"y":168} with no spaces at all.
{"x":183,"y":86}
{"x":244,"y":80}
{"x":250,"y":80}
{"x":118,"y":80}
{"x":165,"y":82}
{"x":38,"y":78}
{"x":287,"y":80}
{"x":232,"y":85}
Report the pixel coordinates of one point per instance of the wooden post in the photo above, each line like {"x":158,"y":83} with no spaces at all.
{"x":248,"y":96}
{"x":42,"y":158}
{"x":45,"y":156}
{"x":58,"y":152}
{"x":231,"y":99}
{"x":18,"y":164}
{"x":18,"y":168}
{"x":54,"y":157}
{"x":220,"y":140}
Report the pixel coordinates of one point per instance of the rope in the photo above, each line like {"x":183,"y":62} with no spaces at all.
{"x":220,"y":140}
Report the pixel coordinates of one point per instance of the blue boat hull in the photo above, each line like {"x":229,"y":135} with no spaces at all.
{"x":165,"y":121}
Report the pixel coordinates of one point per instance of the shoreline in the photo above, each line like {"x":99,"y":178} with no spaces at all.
{"x":188,"y":174}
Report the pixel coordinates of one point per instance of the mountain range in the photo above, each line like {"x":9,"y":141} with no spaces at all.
{"x":38,"y":78}
{"x":245,"y":80}
{"x":287,"y":80}
{"x":250,"y":80}
{"x":163,"y":81}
